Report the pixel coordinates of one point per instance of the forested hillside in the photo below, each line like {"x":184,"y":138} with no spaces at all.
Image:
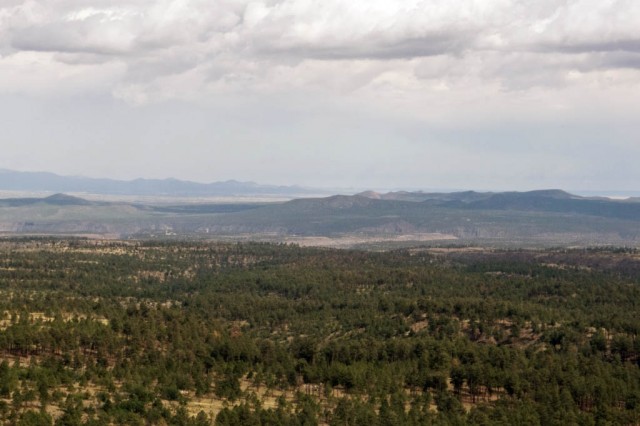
{"x":100,"y":333}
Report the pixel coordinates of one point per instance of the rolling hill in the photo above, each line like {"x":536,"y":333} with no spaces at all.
{"x":547,"y":217}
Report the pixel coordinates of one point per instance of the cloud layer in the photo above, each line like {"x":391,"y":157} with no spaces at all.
{"x":152,"y":46}
{"x":432,"y":65}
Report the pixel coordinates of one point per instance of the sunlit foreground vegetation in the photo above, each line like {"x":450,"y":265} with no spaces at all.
{"x":175,"y":333}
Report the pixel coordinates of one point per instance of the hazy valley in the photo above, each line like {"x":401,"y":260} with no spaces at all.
{"x":535,"y":218}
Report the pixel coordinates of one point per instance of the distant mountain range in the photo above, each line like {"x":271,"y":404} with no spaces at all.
{"x":551,"y":200}
{"x":50,"y":182}
{"x":546,"y":217}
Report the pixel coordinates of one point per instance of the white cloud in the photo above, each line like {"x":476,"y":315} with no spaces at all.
{"x":42,"y":74}
{"x":472,"y":65}
{"x":245,"y":43}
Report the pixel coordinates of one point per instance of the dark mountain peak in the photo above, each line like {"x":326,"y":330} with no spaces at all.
{"x":551,"y":193}
{"x":468,"y":193}
{"x":56,"y":199}
{"x":467,"y":196}
{"x":523,"y":200}
{"x":65,"y":200}
{"x":343,"y":201}
{"x":370,"y":194}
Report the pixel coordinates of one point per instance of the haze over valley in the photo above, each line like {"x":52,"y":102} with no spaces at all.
{"x":239,"y":211}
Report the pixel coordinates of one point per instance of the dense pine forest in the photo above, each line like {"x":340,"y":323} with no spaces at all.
{"x":181,"y":333}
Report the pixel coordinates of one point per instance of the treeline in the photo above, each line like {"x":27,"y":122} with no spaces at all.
{"x":137,"y":333}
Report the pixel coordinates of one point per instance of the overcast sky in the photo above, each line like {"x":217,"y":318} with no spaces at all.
{"x":477,"y":94}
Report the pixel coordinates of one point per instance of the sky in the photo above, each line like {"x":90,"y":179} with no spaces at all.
{"x":441,"y":94}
